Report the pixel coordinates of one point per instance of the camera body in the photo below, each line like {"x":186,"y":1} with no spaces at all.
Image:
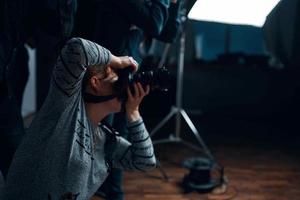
{"x":157,"y":79}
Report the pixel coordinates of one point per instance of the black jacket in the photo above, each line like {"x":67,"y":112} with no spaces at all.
{"x":19,"y":19}
{"x":115,"y":19}
{"x":172,"y":26}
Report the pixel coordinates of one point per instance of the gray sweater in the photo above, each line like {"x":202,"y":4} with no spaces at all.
{"x":62,"y":154}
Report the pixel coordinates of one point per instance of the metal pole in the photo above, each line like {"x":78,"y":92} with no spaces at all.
{"x":180,"y":83}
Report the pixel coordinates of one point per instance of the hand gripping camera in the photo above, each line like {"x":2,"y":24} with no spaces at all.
{"x":157,"y":79}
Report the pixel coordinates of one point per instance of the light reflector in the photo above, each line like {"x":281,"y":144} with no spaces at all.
{"x":241,"y":12}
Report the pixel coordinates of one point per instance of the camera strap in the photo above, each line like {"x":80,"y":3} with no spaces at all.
{"x":110,"y":143}
{"x":89,"y":98}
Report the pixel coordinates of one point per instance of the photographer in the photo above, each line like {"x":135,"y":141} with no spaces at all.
{"x":67,"y":152}
{"x":128,"y":23}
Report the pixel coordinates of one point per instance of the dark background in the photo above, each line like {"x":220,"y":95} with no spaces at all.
{"x":247,"y":95}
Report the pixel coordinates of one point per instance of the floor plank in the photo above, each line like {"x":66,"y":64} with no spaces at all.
{"x":254,"y":173}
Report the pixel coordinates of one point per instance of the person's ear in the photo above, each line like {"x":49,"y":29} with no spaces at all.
{"x":95,"y":83}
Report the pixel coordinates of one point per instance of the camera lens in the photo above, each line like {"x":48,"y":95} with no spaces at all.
{"x":157,"y":79}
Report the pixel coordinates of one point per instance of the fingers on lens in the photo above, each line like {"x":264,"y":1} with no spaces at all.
{"x":136,"y":90}
{"x":141,"y":90}
{"x":129,"y":94}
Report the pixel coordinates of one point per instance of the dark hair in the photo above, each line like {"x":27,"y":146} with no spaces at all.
{"x":91,"y":71}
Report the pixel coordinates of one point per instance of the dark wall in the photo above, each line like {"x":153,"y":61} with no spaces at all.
{"x":242,"y":39}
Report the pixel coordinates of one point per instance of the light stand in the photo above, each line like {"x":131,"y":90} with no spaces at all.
{"x":180,"y":113}
{"x":177,"y":110}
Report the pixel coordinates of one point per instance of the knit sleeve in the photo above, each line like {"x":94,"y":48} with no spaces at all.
{"x":138,"y":154}
{"x":74,"y":58}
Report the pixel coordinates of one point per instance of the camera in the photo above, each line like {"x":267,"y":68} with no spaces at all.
{"x":157,"y":79}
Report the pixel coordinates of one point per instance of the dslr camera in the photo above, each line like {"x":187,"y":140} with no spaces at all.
{"x":157,"y":79}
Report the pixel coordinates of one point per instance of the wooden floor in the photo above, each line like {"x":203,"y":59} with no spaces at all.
{"x":260,"y":166}
{"x":254,"y":173}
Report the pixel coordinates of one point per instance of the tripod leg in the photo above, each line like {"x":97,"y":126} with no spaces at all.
{"x":192,"y":146}
{"x":162,"y":171}
{"x":196,"y":133}
{"x":165,"y":120}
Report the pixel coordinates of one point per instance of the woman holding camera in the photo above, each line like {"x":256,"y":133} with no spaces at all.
{"x":68,"y":152}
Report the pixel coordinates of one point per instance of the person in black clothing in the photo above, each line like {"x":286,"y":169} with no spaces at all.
{"x":13,"y":78}
{"x":20,"y":22}
{"x":54,"y":21}
{"x":127,"y":24}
